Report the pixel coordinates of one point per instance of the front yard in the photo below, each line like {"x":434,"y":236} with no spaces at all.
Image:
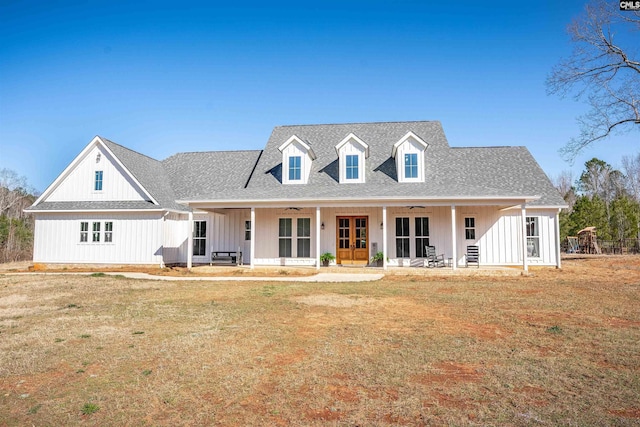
{"x":556,"y":347}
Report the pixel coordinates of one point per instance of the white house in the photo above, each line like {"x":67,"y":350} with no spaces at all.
{"x":348,"y":189}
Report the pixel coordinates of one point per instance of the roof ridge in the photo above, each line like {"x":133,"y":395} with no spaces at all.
{"x":215,"y":151}
{"x":360,"y":123}
{"x":489,"y":146}
{"x":128,"y":149}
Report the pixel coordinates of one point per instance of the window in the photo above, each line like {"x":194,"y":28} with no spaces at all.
{"x":411,"y":165}
{"x":422,"y":236}
{"x":284,"y":233}
{"x":294,"y":168}
{"x":470,"y":228}
{"x":247,"y":230}
{"x":199,"y":238}
{"x":98,"y":182}
{"x":84,"y":231}
{"x":96,"y":232}
{"x":304,"y":237}
{"x":402,"y":237}
{"x":533,"y":236}
{"x":352,"y":166}
{"x":108,"y":232}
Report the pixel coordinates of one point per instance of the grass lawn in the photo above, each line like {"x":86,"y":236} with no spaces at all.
{"x":558,"y":347}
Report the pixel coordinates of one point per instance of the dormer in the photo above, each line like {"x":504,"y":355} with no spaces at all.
{"x":352,"y":154}
{"x":297,"y":156}
{"x":409,"y":155}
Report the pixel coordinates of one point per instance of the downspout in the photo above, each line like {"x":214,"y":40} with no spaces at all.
{"x":525,"y":265}
{"x":163,"y":225}
{"x":190,"y":242}
{"x":558,"y":263}
{"x":384,"y":237}
{"x":454,"y":241}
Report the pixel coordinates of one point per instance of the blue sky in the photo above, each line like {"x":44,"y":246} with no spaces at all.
{"x":164,"y":77}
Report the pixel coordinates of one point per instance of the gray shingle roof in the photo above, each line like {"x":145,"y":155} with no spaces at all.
{"x":88,"y":206}
{"x":470,"y":172}
{"x":150,"y":174}
{"x":225,"y":172}
{"x":449,"y":172}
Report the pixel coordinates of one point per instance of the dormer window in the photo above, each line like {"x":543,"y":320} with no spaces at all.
{"x":352,"y":166}
{"x":294,"y":168}
{"x":352,"y":153}
{"x":297,"y":156}
{"x":409,"y":155}
{"x":411,"y":165}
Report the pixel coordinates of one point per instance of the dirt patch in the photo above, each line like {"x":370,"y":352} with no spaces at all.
{"x":626,"y":413}
{"x":450,"y":373}
{"x":334,"y":300}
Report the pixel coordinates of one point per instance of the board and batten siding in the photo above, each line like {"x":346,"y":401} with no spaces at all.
{"x":499,"y":235}
{"x":79,"y":184}
{"x":175,"y":238}
{"x":137,"y":239}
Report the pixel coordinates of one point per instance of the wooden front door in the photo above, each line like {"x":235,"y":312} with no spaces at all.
{"x":352,"y":240}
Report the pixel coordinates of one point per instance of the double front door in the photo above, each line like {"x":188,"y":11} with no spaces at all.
{"x":352,"y":240}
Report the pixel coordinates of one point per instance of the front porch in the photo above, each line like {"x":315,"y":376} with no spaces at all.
{"x":298,"y":236}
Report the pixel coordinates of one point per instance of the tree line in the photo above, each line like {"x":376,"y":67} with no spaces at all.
{"x":16,"y":227}
{"x":604,"y":197}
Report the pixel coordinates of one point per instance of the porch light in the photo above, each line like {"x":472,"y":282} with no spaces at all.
{"x":381,"y":225}
{"x":322,"y":226}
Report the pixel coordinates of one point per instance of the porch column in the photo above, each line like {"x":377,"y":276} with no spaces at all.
{"x":253,"y":236}
{"x":558,"y":240}
{"x":525,"y":265}
{"x":454,"y":242}
{"x":384,"y":237}
{"x":318,"y":238}
{"x":190,"y":242}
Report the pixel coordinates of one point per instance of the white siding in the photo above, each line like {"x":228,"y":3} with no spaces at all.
{"x":175,"y":238}
{"x":79,"y":184}
{"x":499,"y":235}
{"x":137,"y":239}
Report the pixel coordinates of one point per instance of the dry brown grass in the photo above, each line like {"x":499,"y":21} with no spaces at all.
{"x":557,"y":347}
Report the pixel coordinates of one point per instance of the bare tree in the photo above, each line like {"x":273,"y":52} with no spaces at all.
{"x":604,"y":69}
{"x":631,"y":167}
{"x":564,"y":185}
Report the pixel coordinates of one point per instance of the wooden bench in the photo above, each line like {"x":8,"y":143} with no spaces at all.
{"x":226,"y":257}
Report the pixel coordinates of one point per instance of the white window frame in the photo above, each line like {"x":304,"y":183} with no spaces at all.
{"x":95,"y":233}
{"x":108,"y":231}
{"x":469,"y":227}
{"x":351,"y":167}
{"x":98,"y":180}
{"x":533,"y":236}
{"x":412,"y":166}
{"x":200,"y":238}
{"x":247,"y":230}
{"x":286,"y":238}
{"x":419,"y":236}
{"x":303,"y":237}
{"x":293,"y":168}
{"x":84,"y":231}
{"x":405,"y":238}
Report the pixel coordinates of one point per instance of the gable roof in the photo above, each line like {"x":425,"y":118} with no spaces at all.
{"x":149,"y":173}
{"x":256,"y":175}
{"x":454,"y":173}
